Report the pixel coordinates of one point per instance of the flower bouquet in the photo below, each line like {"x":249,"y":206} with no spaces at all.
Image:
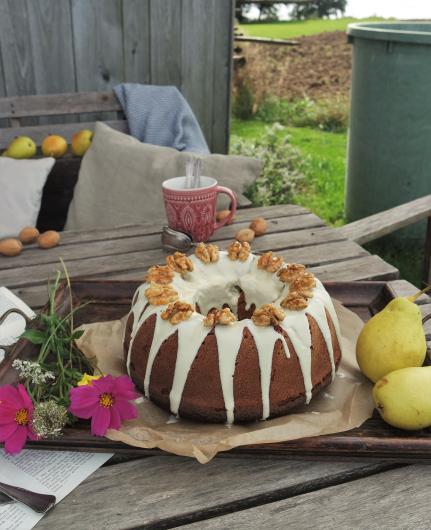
{"x":60,"y":385}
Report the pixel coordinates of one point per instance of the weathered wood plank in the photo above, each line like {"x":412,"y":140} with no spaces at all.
{"x":54,"y":67}
{"x":16,"y":48}
{"x":383,"y":223}
{"x":365,"y":268}
{"x":38,"y":132}
{"x":196,"y":81}
{"x":33,"y":255}
{"x":98,"y":45}
{"x":165,"y":22}
{"x":100,"y":266}
{"x":379,"y":501}
{"x":58,"y":104}
{"x":223,"y":53}
{"x":136,"y":41}
{"x":405,"y":288}
{"x":155,"y":498}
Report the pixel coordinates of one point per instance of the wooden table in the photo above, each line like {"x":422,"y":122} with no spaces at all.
{"x":168,"y":491}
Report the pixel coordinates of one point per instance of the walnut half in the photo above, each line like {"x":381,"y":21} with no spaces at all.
{"x":161,"y":274}
{"x":288,"y":273}
{"x":295,"y":301}
{"x":161,"y":294}
{"x":219,"y":316}
{"x":268,"y":315}
{"x":303,"y":282}
{"x":207,"y":253}
{"x":270,"y":262}
{"x":239,"y":250}
{"x":177,"y":312}
{"x":179,"y":262}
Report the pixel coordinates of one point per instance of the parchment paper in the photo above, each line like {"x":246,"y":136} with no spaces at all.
{"x":343,"y":405}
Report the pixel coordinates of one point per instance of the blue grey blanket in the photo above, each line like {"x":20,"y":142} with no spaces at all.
{"x":160,"y":115}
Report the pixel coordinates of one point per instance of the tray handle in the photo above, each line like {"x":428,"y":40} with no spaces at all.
{"x":8,"y":348}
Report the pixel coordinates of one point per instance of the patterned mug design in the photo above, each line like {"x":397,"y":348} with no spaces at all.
{"x":193,"y":211}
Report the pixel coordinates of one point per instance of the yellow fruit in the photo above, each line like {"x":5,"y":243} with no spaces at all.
{"x":10,"y":247}
{"x":48,"y":239}
{"x":21,"y":147}
{"x":28,"y":234}
{"x":403,"y":398}
{"x":54,"y":145}
{"x":81,"y":141}
{"x":392,"y":339}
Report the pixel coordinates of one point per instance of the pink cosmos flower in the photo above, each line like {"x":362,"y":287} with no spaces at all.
{"x":105,"y":401}
{"x":16,"y":411}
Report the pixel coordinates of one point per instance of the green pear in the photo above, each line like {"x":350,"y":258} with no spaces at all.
{"x":392,"y":339}
{"x":21,"y":147}
{"x":403,"y":398}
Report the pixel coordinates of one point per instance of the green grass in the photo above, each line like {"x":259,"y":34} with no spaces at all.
{"x":324,"y":194}
{"x":326,"y":169}
{"x":292,"y":29}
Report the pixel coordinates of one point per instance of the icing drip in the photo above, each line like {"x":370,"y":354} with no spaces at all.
{"x":212,"y":285}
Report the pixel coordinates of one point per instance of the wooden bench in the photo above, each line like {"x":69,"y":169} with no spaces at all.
{"x":63,"y":114}
{"x":383,"y":223}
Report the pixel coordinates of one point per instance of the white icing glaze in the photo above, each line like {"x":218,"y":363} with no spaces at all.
{"x":212,"y":285}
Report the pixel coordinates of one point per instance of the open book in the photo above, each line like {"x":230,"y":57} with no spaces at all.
{"x":14,"y":325}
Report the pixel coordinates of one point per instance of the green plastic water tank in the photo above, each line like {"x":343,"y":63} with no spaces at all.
{"x":389,"y":146}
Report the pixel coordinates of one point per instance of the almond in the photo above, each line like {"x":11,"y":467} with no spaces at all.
{"x":29,"y":234}
{"x":259,"y":226}
{"x":222,"y":214}
{"x":245,"y":235}
{"x":48,"y":239}
{"x":10,"y":247}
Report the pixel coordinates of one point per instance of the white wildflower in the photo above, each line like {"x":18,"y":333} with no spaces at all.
{"x":32,"y":371}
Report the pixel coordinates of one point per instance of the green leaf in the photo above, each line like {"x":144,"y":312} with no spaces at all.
{"x":34,"y":336}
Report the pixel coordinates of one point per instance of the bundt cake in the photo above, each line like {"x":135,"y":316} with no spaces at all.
{"x":231,"y":336}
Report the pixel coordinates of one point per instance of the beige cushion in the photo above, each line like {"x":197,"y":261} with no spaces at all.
{"x":120,"y":179}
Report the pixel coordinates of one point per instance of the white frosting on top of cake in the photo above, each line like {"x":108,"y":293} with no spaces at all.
{"x":211,"y":286}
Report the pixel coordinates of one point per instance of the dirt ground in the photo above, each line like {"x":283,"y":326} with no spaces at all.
{"x":318,"y":68}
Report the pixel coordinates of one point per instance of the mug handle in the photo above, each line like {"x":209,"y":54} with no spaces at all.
{"x":222,"y":189}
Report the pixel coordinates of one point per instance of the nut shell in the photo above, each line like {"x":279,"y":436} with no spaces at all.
{"x":222,"y":214}
{"x":246,"y":235}
{"x":10,"y":247}
{"x":259,"y":226}
{"x":48,"y":239}
{"x":29,"y":234}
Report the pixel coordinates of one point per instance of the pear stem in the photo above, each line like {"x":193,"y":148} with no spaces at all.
{"x":414,"y":297}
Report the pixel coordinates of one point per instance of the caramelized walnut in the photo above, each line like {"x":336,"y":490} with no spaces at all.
{"x":239,"y":251}
{"x":161,"y":294}
{"x":207,"y":253}
{"x":295,"y":301}
{"x":179,"y":262}
{"x":269,"y":262}
{"x":303,"y":282}
{"x":177,"y":311}
{"x":288,"y":273}
{"x":161,"y":274}
{"x":268,"y":315}
{"x":219,"y":316}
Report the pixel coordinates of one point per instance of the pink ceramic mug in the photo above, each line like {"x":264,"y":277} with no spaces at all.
{"x":193,"y":210}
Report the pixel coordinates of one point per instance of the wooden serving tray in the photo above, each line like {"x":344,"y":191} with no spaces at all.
{"x":373,"y":441}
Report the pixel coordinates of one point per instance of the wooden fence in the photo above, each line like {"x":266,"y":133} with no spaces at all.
{"x":56,"y":46}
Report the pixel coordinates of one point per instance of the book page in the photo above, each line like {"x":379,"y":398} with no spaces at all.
{"x":14,"y":325}
{"x":53,"y":472}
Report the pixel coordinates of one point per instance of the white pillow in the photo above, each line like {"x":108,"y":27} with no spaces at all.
{"x":21,"y":186}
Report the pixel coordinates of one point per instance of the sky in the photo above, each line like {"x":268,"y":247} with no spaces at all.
{"x":403,"y":9}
